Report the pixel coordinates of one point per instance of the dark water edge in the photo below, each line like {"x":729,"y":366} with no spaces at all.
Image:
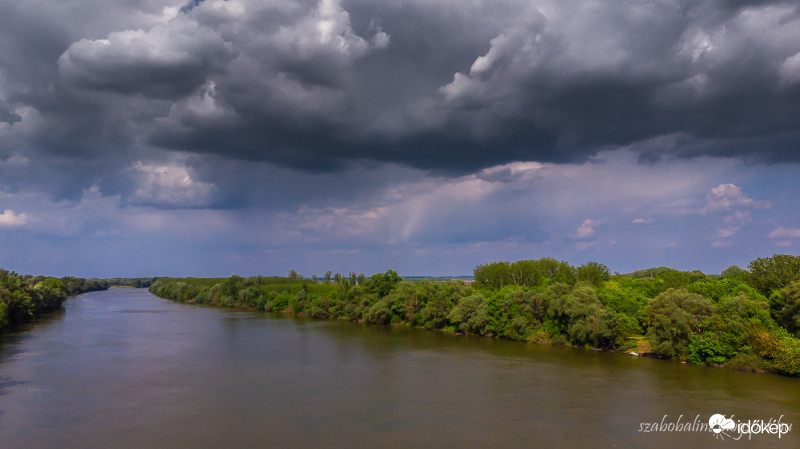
{"x":126,"y":369}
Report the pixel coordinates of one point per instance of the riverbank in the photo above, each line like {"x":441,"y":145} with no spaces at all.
{"x":688,"y":316}
{"x":24,"y":297}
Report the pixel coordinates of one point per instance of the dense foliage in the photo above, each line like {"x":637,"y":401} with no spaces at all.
{"x":744,"y":318}
{"x":22,"y":298}
{"x":130,"y":282}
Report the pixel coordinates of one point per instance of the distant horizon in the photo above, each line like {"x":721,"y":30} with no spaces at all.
{"x":320,"y":276}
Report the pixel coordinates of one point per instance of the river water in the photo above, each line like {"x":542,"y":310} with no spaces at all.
{"x":125,"y":369}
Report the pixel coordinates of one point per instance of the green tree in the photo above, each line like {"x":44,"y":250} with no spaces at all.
{"x":382,"y":284}
{"x":786,"y":306}
{"x":674,"y":317}
{"x":593,"y":272}
{"x":557,"y":271}
{"x":626,"y":296}
{"x":406,"y":302}
{"x":471,"y":315}
{"x":532,"y":303}
{"x":773,"y":273}
{"x":380,"y":312}
{"x":525,"y":273}
{"x":590,"y":322}
{"x":493,"y":275}
{"x":734,"y":272}
{"x":438,"y":299}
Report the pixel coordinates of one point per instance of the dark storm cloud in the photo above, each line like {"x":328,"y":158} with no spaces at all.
{"x":523,"y":84}
{"x":165,"y":62}
{"x":72,"y":138}
{"x":442,"y":85}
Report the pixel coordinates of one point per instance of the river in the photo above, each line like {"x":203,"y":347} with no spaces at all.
{"x":125,"y":369}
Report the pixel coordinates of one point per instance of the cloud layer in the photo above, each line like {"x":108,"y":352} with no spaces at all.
{"x":314,"y":84}
{"x":359,"y":128}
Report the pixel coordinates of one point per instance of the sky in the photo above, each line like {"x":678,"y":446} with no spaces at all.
{"x":144,"y":138}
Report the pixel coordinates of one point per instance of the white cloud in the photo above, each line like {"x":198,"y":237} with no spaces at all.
{"x":10,"y":219}
{"x":381,"y":39}
{"x":728,"y":232}
{"x":738,"y":217}
{"x":511,"y":172}
{"x":790,"y":69}
{"x":642,"y":220}
{"x":327,"y":30}
{"x":785,"y":233}
{"x":730,"y":198}
{"x":724,"y":197}
{"x":587,"y":229}
{"x":169,"y":184}
{"x":516,"y":49}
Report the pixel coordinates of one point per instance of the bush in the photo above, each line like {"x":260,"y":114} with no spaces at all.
{"x":787,"y":358}
{"x":707,"y":349}
{"x":748,"y":362}
{"x":379,"y":313}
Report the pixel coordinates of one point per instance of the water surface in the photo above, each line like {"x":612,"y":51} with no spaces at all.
{"x":125,"y":369}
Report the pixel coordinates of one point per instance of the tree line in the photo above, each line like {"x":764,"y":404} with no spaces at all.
{"x":24,"y":297}
{"x":130,"y":282}
{"x":744,"y":318}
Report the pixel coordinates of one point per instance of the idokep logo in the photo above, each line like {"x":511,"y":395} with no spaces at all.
{"x":721,"y":426}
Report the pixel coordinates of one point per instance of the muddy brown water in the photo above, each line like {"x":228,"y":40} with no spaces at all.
{"x":125,"y":369}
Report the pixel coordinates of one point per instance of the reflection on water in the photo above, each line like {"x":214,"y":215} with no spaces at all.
{"x":126,"y":369}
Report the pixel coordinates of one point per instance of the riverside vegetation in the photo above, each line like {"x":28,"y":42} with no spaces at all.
{"x":24,"y":297}
{"x":744,"y":318}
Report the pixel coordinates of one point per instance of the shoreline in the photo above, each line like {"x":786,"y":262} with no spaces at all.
{"x":714,"y":320}
{"x":289,"y":313}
